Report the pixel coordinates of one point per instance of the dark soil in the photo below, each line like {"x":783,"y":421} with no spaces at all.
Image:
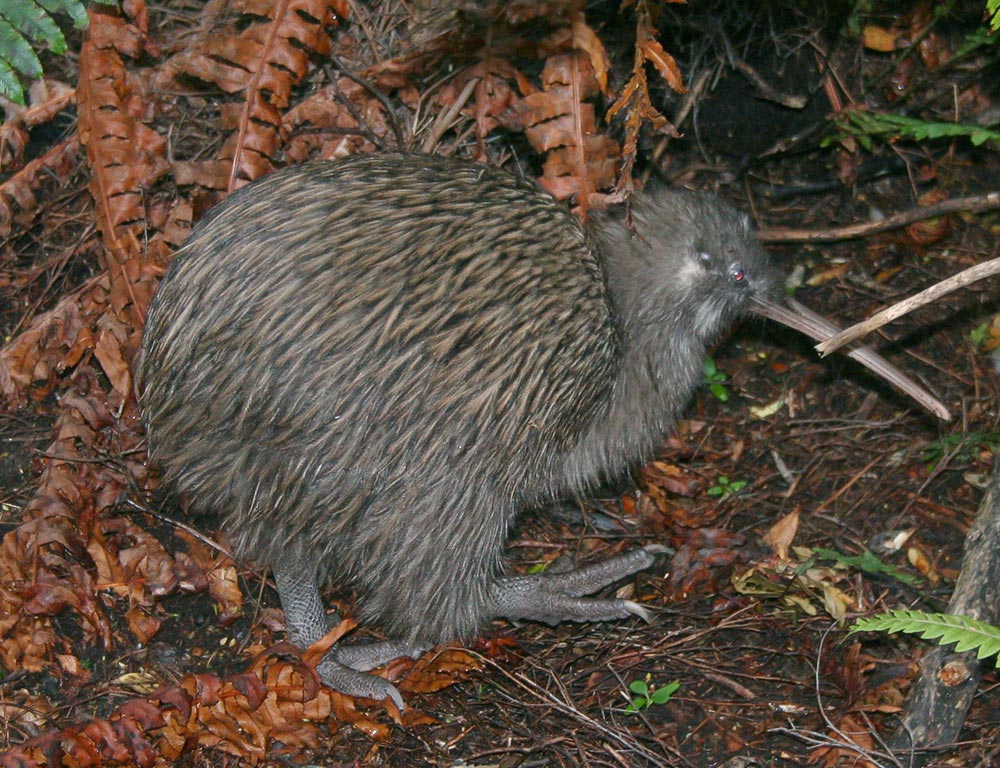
{"x":766,"y":673}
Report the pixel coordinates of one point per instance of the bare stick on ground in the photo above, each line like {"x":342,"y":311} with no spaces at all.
{"x":975,"y":204}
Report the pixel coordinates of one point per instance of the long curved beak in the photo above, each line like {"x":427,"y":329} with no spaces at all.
{"x":817,"y":327}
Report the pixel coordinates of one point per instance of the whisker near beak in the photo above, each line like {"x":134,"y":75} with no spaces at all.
{"x":817,"y":327}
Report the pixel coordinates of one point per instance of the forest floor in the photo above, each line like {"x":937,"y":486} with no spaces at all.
{"x":127,"y":637}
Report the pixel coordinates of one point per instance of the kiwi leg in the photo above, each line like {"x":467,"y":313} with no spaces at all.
{"x":343,"y":669}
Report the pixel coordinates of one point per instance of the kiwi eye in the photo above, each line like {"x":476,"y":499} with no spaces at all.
{"x":737,"y":274}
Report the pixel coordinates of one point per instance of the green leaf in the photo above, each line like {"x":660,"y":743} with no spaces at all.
{"x":964,"y":633}
{"x":21,"y":20}
{"x":981,"y":332}
{"x":719,"y":391}
{"x":639,"y":686}
{"x":863,"y":124}
{"x":974,"y":40}
{"x":715,"y":380}
{"x":637,"y":703}
{"x":663,"y":694}
{"x":16,"y":51}
{"x":962,"y":447}
{"x":72,"y":8}
{"x":10,"y":86}
{"x":32,"y":20}
{"x":868,"y":562}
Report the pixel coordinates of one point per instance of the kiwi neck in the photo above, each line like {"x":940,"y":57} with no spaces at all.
{"x":660,"y":366}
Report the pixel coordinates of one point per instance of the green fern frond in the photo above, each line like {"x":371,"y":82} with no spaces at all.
{"x":72,"y":8}
{"x":862,"y":125}
{"x":24,"y":26}
{"x":993,"y":10}
{"x":967,"y":634}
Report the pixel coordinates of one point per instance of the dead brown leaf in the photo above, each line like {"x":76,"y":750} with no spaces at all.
{"x":702,"y":560}
{"x":557,"y":121}
{"x":665,"y":64}
{"x":439,"y":670}
{"x":585,"y":39}
{"x":780,"y":536}
{"x":264,"y":58}
{"x":853,"y":730}
{"x":876,"y":38}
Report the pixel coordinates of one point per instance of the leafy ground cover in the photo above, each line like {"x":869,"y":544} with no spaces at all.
{"x":128,"y":636}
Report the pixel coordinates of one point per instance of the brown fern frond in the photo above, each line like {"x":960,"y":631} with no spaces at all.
{"x":264,"y":60}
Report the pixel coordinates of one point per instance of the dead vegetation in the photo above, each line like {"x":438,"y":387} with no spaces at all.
{"x":127,"y":636}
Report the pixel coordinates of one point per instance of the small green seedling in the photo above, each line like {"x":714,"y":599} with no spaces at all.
{"x":715,"y":380}
{"x":979,"y":334}
{"x":646,"y":695}
{"x":724,"y":487}
{"x":961,"y":447}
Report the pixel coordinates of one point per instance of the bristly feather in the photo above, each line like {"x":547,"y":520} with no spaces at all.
{"x":373,"y":365}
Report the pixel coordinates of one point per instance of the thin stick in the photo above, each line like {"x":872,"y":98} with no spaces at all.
{"x":767,"y":90}
{"x":887,"y":315}
{"x":975,"y":204}
{"x":447,"y":117}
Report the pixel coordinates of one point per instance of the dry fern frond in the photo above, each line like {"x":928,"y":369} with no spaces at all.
{"x":634,"y":98}
{"x":264,"y":60}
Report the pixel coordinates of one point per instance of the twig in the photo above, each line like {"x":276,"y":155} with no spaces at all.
{"x":844,"y":742}
{"x":390,"y":114}
{"x":974,"y":204}
{"x":352,"y":109}
{"x":900,"y":308}
{"x":766,"y":90}
{"x":567,"y":707}
{"x":445,"y":118}
{"x":191,"y":531}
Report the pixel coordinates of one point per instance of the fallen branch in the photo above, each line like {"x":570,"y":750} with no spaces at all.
{"x":975,"y":204}
{"x":940,"y":697}
{"x":900,"y":308}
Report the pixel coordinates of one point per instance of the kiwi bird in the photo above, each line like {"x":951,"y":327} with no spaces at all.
{"x":370,"y":366}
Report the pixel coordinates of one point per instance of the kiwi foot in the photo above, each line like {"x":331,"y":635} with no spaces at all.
{"x":556,"y":597}
{"x":345,"y":667}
